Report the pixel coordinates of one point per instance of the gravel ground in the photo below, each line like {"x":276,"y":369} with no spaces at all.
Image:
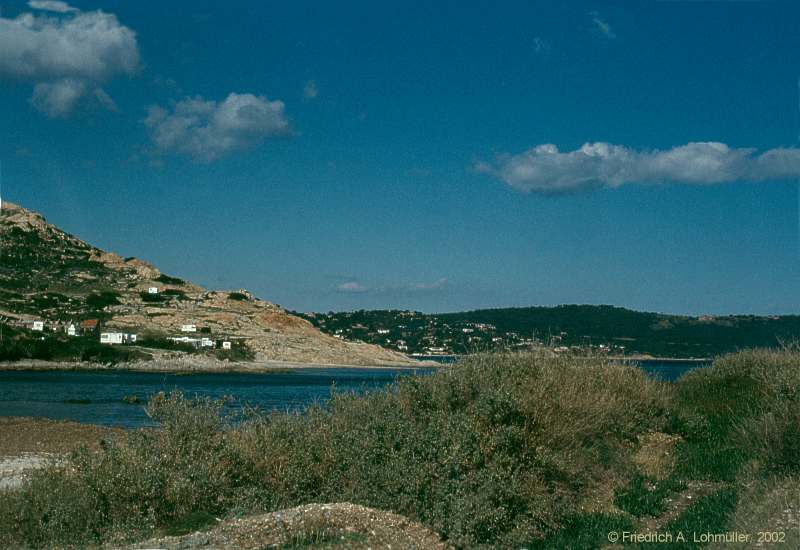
{"x":30,"y":443}
{"x":317,"y":526}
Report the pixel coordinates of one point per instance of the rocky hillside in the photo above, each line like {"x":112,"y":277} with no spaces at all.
{"x":47,"y":274}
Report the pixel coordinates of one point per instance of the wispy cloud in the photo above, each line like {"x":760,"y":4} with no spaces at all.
{"x":208,"y":130}
{"x":52,"y":5}
{"x":602,"y":26}
{"x":436,"y":285}
{"x":66,"y":54}
{"x":352,"y":287}
{"x":544,"y":169}
{"x":355,"y":287}
{"x":310,"y":90}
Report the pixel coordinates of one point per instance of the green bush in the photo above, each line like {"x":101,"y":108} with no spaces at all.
{"x":99,"y":300}
{"x":238,"y":352}
{"x":152,"y":298}
{"x":774,"y":437}
{"x":645,"y":496}
{"x":584,"y":532}
{"x":179,"y":294}
{"x":710,"y":514}
{"x":167,"y":280}
{"x":744,"y":406}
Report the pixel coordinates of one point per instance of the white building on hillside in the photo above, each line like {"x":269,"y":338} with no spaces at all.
{"x":37,"y":325}
{"x":188,"y":328}
{"x":196,"y":342}
{"x":117,"y":338}
{"x":152,"y":290}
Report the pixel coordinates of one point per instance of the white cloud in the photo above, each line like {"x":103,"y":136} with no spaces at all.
{"x":207,"y":130}
{"x":52,"y":5}
{"x":544,"y":169}
{"x":602,"y":26}
{"x":310,"y":90}
{"x":352,"y":287}
{"x":65,"y":56}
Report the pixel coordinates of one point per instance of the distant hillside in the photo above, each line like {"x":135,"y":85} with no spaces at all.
{"x":50,"y":276}
{"x":609,"y":329}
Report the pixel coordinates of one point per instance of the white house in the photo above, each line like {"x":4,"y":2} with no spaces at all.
{"x":383,"y":331}
{"x":183,"y":339}
{"x":226,"y":345}
{"x":188,"y":328}
{"x":117,"y":338}
{"x":152,"y":290}
{"x":71,"y":330}
{"x":196,"y":342}
{"x":37,"y":325}
{"x":111,"y":337}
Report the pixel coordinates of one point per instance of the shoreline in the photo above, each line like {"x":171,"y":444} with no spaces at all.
{"x":197,"y":367}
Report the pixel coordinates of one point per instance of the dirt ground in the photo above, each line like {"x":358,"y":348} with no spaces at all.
{"x":40,"y":435}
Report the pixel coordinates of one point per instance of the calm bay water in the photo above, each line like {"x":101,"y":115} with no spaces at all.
{"x":96,"y":397}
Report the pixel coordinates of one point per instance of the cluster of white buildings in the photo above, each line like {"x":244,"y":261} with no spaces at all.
{"x":120,"y":338}
{"x":198,"y":342}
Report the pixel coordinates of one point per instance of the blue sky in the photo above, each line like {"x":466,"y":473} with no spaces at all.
{"x":404,"y":155}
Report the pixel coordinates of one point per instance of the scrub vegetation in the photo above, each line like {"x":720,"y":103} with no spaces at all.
{"x":497,"y":451}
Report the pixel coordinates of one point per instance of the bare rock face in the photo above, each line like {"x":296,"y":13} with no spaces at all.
{"x":40,"y":260}
{"x":24,"y":219}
